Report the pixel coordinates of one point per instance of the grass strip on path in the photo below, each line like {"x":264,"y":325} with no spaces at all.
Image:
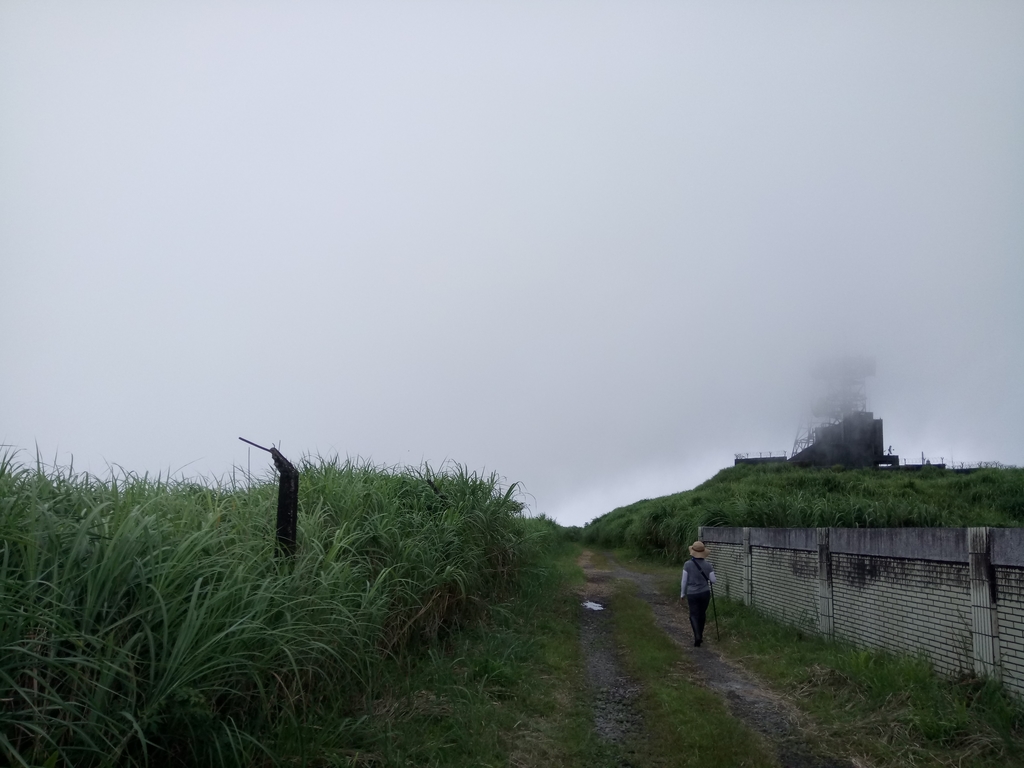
{"x":686,"y":724}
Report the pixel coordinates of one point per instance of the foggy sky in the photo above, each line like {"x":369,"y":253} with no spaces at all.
{"x":595,"y":247}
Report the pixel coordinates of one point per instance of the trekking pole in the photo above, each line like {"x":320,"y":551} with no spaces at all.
{"x":718,"y":635}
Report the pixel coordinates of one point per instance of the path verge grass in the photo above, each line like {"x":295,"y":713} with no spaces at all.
{"x":893,"y":709}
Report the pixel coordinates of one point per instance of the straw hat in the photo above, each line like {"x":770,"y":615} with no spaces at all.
{"x":697,"y":549}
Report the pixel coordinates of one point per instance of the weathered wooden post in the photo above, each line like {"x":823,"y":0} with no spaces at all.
{"x":287,"y":500}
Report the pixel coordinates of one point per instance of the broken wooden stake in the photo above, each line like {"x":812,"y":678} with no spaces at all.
{"x":287,"y":500}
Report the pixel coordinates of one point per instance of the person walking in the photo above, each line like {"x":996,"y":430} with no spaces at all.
{"x":698,"y":576}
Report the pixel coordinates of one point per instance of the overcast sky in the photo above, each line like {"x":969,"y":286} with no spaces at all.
{"x":593,"y":246}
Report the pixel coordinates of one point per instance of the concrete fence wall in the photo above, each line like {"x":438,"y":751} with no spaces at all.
{"x":957,"y":594}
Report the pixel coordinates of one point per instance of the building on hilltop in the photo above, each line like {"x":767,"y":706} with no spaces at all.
{"x":840,"y":429}
{"x":855,"y":441}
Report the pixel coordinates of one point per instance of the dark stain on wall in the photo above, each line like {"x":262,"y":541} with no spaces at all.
{"x":803,"y":565}
{"x":858,"y":570}
{"x":861,"y":570}
{"x":1011,"y":581}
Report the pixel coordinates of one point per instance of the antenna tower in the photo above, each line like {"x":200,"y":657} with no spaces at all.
{"x":845,"y":384}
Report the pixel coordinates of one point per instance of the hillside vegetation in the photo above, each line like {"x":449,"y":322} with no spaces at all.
{"x":143,"y":621}
{"x":785,"y":495}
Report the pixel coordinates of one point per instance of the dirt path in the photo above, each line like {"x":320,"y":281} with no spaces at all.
{"x":617,"y":714}
{"x":747,"y":699}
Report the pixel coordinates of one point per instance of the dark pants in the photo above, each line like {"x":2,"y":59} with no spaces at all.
{"x":698,"y":613}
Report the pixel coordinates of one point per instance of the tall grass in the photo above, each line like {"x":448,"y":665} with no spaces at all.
{"x":147,"y":621}
{"x":783,"y":495}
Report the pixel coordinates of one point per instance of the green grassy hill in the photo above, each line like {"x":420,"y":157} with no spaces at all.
{"x":785,"y":495}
